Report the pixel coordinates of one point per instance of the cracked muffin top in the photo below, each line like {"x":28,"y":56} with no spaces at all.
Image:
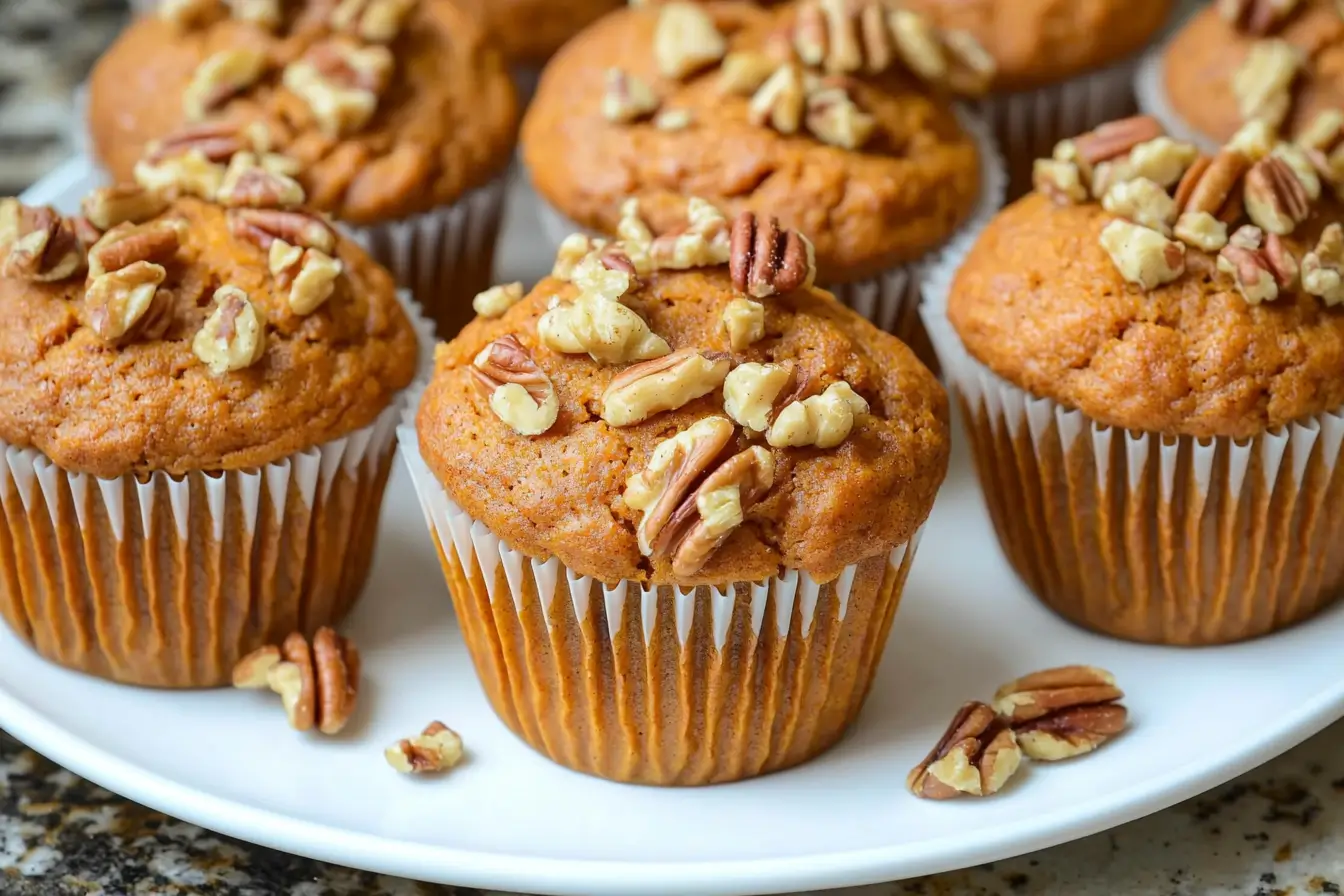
{"x":1283,"y":62}
{"x":685,"y":409}
{"x":779,"y":110}
{"x":174,"y":341}
{"x":1040,"y":42}
{"x":387,"y":108}
{"x":1202,"y":297}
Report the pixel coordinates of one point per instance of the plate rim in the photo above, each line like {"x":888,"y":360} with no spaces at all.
{"x":587,"y":877}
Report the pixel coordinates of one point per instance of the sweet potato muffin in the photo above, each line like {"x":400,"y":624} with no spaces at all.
{"x":1154,"y":382}
{"x":196,"y":415}
{"x":396,"y":117}
{"x":679,"y":462}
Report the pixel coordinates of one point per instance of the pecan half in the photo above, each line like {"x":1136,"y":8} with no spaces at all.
{"x":1276,"y":199}
{"x":766,"y":259}
{"x":318,"y":683}
{"x":823,"y":420}
{"x":216,"y":141}
{"x":1323,"y":267}
{"x":437,"y":748}
{"x":1211,"y":185}
{"x":627,"y":98}
{"x":248,"y":183}
{"x":662,"y":384}
{"x":107,"y":207}
{"x":703,"y":522}
{"x":219,"y":78}
{"x":376,"y":21}
{"x":686,"y":40}
{"x":37,"y":244}
{"x":1063,"y":712}
{"x":975,"y":757}
{"x":671,"y":473}
{"x":126,"y":244}
{"x":261,"y":227}
{"x":1144,"y":257}
{"x":520,"y":393}
{"x":341,"y":82}
{"x":1263,"y":83}
{"x":234,"y":335}
{"x":1257,"y":17}
{"x":1115,"y":139}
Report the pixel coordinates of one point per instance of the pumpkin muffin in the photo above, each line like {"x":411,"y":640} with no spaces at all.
{"x":733,"y":102}
{"x":1235,"y":62}
{"x":1063,"y":66}
{"x":676,"y":491}
{"x":1153,"y":383}
{"x":397,"y":117}
{"x":197,"y":411}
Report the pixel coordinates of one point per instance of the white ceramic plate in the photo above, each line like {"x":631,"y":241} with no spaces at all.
{"x":509,"y":819}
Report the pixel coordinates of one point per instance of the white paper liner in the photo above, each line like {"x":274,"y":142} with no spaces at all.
{"x":889,"y":299}
{"x":1220,"y":500}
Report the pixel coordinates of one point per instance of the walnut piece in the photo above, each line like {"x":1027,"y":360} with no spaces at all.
{"x":519,"y":392}
{"x":744,"y":322}
{"x":606,"y":330}
{"x":341,"y":82}
{"x":834,"y":118}
{"x":823,"y":420}
{"x":1064,"y":712}
{"x":662,"y":384}
{"x":127,"y":304}
{"x":627,"y":98}
{"x":310,"y":275}
{"x":318,"y":683}
{"x":234,"y":335}
{"x":573,"y":249}
{"x":261,"y":227}
{"x":703,"y":242}
{"x":1143,"y":256}
{"x":686,"y":40}
{"x":975,"y":757}
{"x":496,"y":300}
{"x":1276,"y":199}
{"x":1263,"y":83}
{"x":673,"y":467}
{"x":374,"y":21}
{"x":37,"y":244}
{"x":751,"y":392}
{"x":766,"y":259}
{"x":107,"y":207}
{"x":248,"y":183}
{"x":744,"y":71}
{"x":219,"y":78}
{"x":437,"y":749}
{"x":1323,"y":267}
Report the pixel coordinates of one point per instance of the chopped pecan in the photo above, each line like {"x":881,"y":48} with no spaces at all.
{"x":1114,"y":139}
{"x":766,"y":259}
{"x":1259,"y":266}
{"x":219,"y":78}
{"x":262,"y":13}
{"x":1212,"y":185}
{"x":496,"y":300}
{"x":234,"y":335}
{"x":1323,"y":267}
{"x":37,"y":244}
{"x":744,"y":322}
{"x":1064,"y":712}
{"x":376,"y":21}
{"x":1060,"y":181}
{"x":126,"y":244}
{"x":214,"y":141}
{"x":1257,"y":17}
{"x":703,"y":242}
{"x":823,"y":420}
{"x":261,"y":227}
{"x":1276,"y":199}
{"x":703,"y":522}
{"x":520,"y":393}
{"x":247,"y":183}
{"x":309,"y":274}
{"x":126,"y":304}
{"x":1161,"y":160}
{"x":1323,"y":142}
{"x":836,"y":119}
{"x":252,"y":672}
{"x":975,"y":757}
{"x":341,"y":82}
{"x":1143,"y":202}
{"x":318,"y":683}
{"x":1255,"y":139}
{"x":1144,"y":257}
{"x":662,"y":384}
{"x":686,"y":40}
{"x":107,"y":207}
{"x":752,"y":392}
{"x":627,"y":98}
{"x":671,"y":473}
{"x":437,"y":749}
{"x":780,"y":101}
{"x":1201,"y":230}
{"x":1263,"y":83}
{"x":743,"y":71}
{"x":189,"y":173}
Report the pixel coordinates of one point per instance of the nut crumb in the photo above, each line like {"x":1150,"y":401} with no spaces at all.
{"x":437,"y":749}
{"x":496,"y":300}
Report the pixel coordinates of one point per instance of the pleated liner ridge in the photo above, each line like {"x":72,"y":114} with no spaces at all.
{"x":662,"y":685}
{"x":1172,"y":540}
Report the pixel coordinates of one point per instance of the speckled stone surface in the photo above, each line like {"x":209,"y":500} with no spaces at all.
{"x":1277,"y":831}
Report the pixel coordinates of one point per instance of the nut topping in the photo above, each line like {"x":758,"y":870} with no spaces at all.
{"x":247,"y":183}
{"x":670,"y":474}
{"x":1211,"y":185}
{"x":1323,"y":142}
{"x":836,"y":119}
{"x":519,"y":392}
{"x":704,"y":242}
{"x":341,"y":81}
{"x":744,"y":322}
{"x":673,"y":120}
{"x":823,"y":420}
{"x":37,"y":244}
{"x":604,"y":328}
{"x":437,"y":749}
{"x":627,"y":98}
{"x":742,"y":72}
{"x":1276,"y":199}
{"x":1201,"y":230}
{"x":375,"y":21}
{"x":574,"y":249}
{"x":1064,"y":712}
{"x":261,"y":227}
{"x":318,"y":683}
{"x":126,"y":244}
{"x":107,"y":207}
{"x":497,"y":299}
{"x":1257,"y":17}
{"x":234,"y":335}
{"x":780,"y":101}
{"x":1143,"y":202}
{"x":1323,"y":267}
{"x":766,"y":259}
{"x":686,"y":40}
{"x":1263,"y":83}
{"x":191,"y":173}
{"x":127,"y":304}
{"x":1261,"y":266}
{"x":975,"y":757}
{"x":662,"y":384}
{"x":1143,"y":256}
{"x":262,"y":13}
{"x":703,"y":522}
{"x":1059,"y":180}
{"x":751,"y":393}
{"x":1161,"y":160}
{"x":1115,"y":139}
{"x":221,"y":77}
{"x":308,"y":274}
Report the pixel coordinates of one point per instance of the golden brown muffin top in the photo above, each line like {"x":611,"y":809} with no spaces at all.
{"x":1201,"y":63}
{"x":385,"y":117}
{"x":1042,"y":42}
{"x":1202,"y":298}
{"x":873,"y":166}
{"x":781,"y":431}
{"x":170,"y":345}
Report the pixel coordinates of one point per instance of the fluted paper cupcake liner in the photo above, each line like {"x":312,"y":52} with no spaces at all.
{"x":891,"y":299}
{"x":168,"y":581}
{"x":662,"y":685}
{"x":1173,"y":540}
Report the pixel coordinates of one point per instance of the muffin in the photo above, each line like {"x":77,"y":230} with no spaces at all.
{"x":397,"y":118}
{"x":1235,"y":62}
{"x":1153,"y":385}
{"x":652,"y":104}
{"x":197,"y":418}
{"x":676,"y":520}
{"x":1062,"y":66}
